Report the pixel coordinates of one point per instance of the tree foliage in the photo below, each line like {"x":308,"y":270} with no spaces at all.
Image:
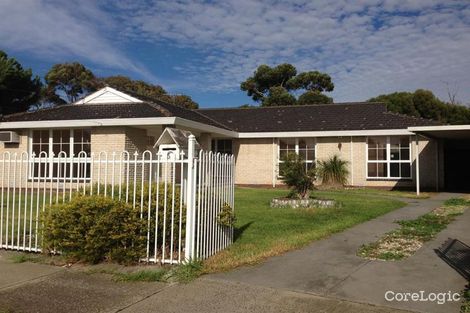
{"x":66,"y":82}
{"x":310,"y":97}
{"x":147,"y":90}
{"x":139,"y":87}
{"x":19,"y":89}
{"x":274,"y":86}
{"x":423,"y":103}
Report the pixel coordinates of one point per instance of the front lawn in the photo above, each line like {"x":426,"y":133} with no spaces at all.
{"x":391,"y":193}
{"x":263,"y":232}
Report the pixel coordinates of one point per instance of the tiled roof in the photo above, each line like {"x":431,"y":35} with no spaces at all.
{"x":111,"y":111}
{"x":328,"y":117}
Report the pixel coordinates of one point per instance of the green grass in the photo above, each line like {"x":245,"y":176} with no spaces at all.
{"x":143,"y":275}
{"x":465,"y":308}
{"x":406,"y":240}
{"x":390,"y":193}
{"x":23,"y":257}
{"x":183,"y":273}
{"x":262,"y":231}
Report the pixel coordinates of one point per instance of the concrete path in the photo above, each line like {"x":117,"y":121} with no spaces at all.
{"x":331,"y":268}
{"x":29,"y":287}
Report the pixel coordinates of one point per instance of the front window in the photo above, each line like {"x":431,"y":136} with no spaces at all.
{"x":222,"y":145}
{"x":304,"y":147}
{"x":61,"y":153}
{"x":388,"y":157}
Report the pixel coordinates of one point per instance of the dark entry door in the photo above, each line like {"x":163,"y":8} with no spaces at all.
{"x":457,"y":165}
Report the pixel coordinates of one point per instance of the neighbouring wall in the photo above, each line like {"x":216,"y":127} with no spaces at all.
{"x":254,"y":159}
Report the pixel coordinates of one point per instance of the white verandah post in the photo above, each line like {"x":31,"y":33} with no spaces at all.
{"x":417,"y":166}
{"x":190,"y":200}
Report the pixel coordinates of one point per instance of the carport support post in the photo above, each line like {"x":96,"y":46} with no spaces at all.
{"x":190,"y":201}
{"x":417,"y":166}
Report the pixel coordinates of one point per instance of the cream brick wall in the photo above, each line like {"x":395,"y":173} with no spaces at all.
{"x":20,"y":147}
{"x":107,"y":139}
{"x":205,"y":141}
{"x":327,"y":147}
{"x":254,"y":161}
{"x":137,"y":140}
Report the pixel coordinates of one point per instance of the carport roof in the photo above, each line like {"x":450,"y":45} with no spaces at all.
{"x":443,"y":132}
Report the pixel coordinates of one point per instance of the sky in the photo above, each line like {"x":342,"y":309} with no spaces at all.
{"x":207,"y":48}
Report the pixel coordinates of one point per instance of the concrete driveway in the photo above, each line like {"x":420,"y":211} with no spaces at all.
{"x":331,"y":268}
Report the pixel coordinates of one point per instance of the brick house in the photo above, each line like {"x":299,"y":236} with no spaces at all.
{"x":383,"y":149}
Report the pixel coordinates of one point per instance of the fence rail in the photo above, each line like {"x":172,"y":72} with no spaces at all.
{"x":179,"y":197}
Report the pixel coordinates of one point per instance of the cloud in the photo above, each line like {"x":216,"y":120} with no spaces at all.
{"x":369,"y":47}
{"x":63,"y":30}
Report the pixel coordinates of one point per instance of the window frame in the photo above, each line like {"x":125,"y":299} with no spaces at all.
{"x":69,"y":160}
{"x":215,"y":145}
{"x":296,"y":150}
{"x":388,"y":161}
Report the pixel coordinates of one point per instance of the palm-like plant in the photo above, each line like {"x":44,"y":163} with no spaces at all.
{"x":294,"y":175}
{"x":333,"y":171}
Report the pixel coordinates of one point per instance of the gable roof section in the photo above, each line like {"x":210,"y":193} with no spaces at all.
{"x":108,"y":95}
{"x":328,"y":117}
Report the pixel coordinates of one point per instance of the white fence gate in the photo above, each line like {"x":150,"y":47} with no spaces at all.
{"x":179,"y":197}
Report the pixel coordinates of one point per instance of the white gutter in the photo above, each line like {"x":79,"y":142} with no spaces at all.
{"x":438,"y":128}
{"x":340,"y":133}
{"x":149,"y":121}
{"x":144,"y":121}
{"x":90,"y":123}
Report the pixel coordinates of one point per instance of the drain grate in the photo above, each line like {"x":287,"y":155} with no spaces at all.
{"x":457,"y":254}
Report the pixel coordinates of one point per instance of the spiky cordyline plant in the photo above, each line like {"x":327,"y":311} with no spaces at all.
{"x":333,"y":171}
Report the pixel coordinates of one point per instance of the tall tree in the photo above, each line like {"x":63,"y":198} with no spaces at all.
{"x":273,"y":86}
{"x":66,"y":82}
{"x":125,"y":84}
{"x":183,"y":101}
{"x":423,"y":103}
{"x":18,"y":88}
{"x":147,"y":90}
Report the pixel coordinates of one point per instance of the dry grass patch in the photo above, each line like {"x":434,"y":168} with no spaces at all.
{"x":406,"y":240}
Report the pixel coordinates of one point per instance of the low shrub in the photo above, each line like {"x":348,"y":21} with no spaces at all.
{"x":295,"y":175}
{"x":333,"y":172}
{"x":146,"y":197}
{"x":93,"y":229}
{"x":226,"y":216}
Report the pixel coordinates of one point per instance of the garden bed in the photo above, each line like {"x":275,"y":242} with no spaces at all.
{"x":302,"y":203}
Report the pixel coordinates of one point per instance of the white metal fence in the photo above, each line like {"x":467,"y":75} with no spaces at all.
{"x":179,"y":197}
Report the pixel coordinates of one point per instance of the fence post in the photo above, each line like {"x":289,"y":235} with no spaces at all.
{"x":190,"y":201}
